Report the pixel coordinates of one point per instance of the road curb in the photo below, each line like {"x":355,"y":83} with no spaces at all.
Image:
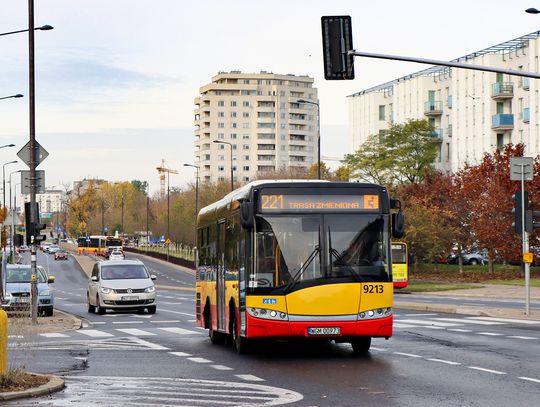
{"x":77,"y":322}
{"x":458,"y":309}
{"x":54,"y":384}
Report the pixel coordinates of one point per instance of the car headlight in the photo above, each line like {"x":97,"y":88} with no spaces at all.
{"x":150,"y":289}
{"x":45,"y":293}
{"x":268,"y":314}
{"x":106,"y":290}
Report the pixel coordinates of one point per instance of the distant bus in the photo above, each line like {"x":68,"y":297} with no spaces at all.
{"x":297,"y":260}
{"x":400,"y":265}
{"x":113,"y":243}
{"x":94,"y":244}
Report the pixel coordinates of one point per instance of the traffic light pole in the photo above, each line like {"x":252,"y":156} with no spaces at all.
{"x":33,"y":161}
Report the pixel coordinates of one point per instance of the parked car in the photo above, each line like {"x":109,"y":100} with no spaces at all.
{"x":61,"y":255}
{"x":18,"y":278}
{"x":116,"y":255}
{"x":121,"y":284}
{"x":52,"y":249}
{"x":472,"y":258}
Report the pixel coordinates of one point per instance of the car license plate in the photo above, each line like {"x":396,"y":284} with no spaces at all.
{"x":130,"y":298}
{"x":324,"y":331}
{"x":23,"y":300}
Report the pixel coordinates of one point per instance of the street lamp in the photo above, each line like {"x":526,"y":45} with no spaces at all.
{"x":11,"y":208}
{"x":18,"y":95}
{"x":196,"y":197}
{"x":318,"y":133}
{"x":4,"y":182}
{"x":45,"y":27}
{"x":230,"y":145}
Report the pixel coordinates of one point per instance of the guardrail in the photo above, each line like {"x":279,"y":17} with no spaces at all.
{"x":163,"y":256}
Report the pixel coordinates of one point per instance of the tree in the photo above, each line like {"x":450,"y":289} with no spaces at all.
{"x":404,"y":154}
{"x":313,"y":171}
{"x":141,"y":186}
{"x":342,"y":173}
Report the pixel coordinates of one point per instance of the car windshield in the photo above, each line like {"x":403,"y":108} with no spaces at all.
{"x":294,"y":249}
{"x":123,"y":272}
{"x":22,"y":275}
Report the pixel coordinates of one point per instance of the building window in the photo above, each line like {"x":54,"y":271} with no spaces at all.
{"x":221,"y":147}
{"x":233,"y":103}
{"x":245,"y":125}
{"x":221,"y":114}
{"x":221,"y":157}
{"x":245,"y":103}
{"x":233,"y":114}
{"x":382,"y":112}
{"x":221,"y":168}
{"x":221,"y":135}
{"x":245,"y":114}
{"x":233,"y":125}
{"x":245,"y":146}
{"x":246,"y":81}
{"x":221,"y":103}
{"x":233,"y":136}
{"x":246,"y":158}
{"x":221,"y":125}
{"x":246,"y":167}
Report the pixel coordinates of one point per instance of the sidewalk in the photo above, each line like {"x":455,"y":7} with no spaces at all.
{"x":489,"y":291}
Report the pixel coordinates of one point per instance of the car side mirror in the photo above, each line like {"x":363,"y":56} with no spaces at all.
{"x":94,"y":278}
{"x":153,"y":277}
{"x":246,"y":215}
{"x":50,"y":279}
{"x":398,"y":225}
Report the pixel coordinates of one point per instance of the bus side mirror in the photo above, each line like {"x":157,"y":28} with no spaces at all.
{"x":246,"y":215}
{"x":398,"y":225}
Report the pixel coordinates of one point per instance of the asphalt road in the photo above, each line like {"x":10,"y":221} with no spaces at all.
{"x":129,"y":359}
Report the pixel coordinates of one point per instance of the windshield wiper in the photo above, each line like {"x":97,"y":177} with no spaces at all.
{"x":339,"y":258}
{"x":301,"y":270}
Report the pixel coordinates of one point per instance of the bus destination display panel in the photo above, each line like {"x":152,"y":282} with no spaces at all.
{"x":274,"y":202}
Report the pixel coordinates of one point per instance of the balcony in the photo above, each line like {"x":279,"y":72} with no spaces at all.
{"x":502,"y":90}
{"x":502,"y":122}
{"x":526,"y":115}
{"x":437,"y":134}
{"x":433,"y":108}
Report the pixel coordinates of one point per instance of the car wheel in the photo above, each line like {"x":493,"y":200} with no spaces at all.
{"x":473,"y":262}
{"x":91,"y":308}
{"x":99,"y":309}
{"x":361,"y":345}
{"x":152,"y":309}
{"x":48,"y":312}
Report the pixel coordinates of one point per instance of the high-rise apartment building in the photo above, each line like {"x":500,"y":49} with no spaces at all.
{"x":473,"y":112}
{"x":260,"y":121}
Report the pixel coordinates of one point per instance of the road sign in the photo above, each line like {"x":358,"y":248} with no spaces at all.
{"x":46,"y":215}
{"x":24,"y":153}
{"x":527,"y":257}
{"x":168,"y":241}
{"x":25,"y":181}
{"x":521,"y":166}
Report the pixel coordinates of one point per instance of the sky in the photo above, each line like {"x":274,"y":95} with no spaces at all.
{"x":116,"y":80}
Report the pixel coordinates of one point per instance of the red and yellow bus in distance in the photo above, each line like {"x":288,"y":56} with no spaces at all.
{"x":297,"y":260}
{"x":400,"y":265}
{"x":94,"y":244}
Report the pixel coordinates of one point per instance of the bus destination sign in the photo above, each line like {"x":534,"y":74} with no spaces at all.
{"x":273,"y":202}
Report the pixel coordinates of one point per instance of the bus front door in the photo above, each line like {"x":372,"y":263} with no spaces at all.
{"x":220,"y":283}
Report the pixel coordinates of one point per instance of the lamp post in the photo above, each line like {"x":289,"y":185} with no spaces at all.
{"x":231,"y":146}
{"x":318,"y":133}
{"x":4,"y":182}
{"x":45,"y":27}
{"x":147,"y":216}
{"x":196,"y":198}
{"x":18,"y":95}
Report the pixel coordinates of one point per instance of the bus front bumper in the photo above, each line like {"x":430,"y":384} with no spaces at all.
{"x":263,"y":328}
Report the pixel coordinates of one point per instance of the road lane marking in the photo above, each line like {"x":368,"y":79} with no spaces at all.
{"x":249,"y":377}
{"x":221,"y":367}
{"x":447,"y":362}
{"x":54,"y":335}
{"x":200,"y":360}
{"x":489,"y":333}
{"x":486,"y":370}
{"x":530,"y":379}
{"x":179,"y":331}
{"x":165,"y":322}
{"x":411,"y":355}
{"x":516,"y":321}
{"x":467,"y":321}
{"x":147,"y":344}
{"x":459,"y":330}
{"x":181,"y":354}
{"x":522,"y":337}
{"x":128,"y":322}
{"x":399,"y":325}
{"x":177,"y":312}
{"x":136,"y":332}
{"x":94,"y":333}
{"x":427,"y":322}
{"x":420,"y":315}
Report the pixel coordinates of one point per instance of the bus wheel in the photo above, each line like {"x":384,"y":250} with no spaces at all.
{"x":217,"y":338}
{"x":240,"y":344}
{"x":361,"y":345}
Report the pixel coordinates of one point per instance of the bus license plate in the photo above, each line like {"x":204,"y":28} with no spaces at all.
{"x":324,"y":331}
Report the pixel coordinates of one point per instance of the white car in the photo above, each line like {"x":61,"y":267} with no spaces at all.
{"x":116,"y":255}
{"x":124,"y":284}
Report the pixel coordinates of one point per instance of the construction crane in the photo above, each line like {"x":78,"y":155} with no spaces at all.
{"x":162,"y":170}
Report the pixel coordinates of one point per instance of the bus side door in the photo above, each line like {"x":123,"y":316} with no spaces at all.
{"x":220,"y":278}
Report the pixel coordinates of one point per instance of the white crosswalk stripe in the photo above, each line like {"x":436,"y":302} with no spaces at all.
{"x":427,"y":322}
{"x":94,"y":333}
{"x":136,"y":332}
{"x":180,"y":331}
{"x":468,"y":321}
{"x":506,"y":320}
{"x":54,"y":335}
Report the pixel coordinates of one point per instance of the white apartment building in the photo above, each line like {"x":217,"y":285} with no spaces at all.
{"x":51,"y":201}
{"x":259,"y":118}
{"x":473,"y":112}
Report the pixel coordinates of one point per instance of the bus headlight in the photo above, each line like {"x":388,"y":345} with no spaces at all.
{"x":375,"y":313}
{"x":268,"y":314}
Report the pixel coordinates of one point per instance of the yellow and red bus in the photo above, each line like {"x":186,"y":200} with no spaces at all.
{"x":400,"y":265}
{"x":94,"y":244}
{"x":297,"y":259}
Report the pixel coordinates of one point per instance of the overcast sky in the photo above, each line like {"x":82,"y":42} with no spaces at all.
{"x":116,"y":79}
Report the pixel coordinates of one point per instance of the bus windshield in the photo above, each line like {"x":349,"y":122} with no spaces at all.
{"x":298,"y":249}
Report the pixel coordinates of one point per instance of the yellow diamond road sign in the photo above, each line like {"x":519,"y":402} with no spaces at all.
{"x":168,"y":241}
{"x":527,"y":257}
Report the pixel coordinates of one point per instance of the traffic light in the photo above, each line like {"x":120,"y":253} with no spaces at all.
{"x":18,"y":240}
{"x":530,"y":215}
{"x":337,"y":41}
{"x":33,"y":229}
